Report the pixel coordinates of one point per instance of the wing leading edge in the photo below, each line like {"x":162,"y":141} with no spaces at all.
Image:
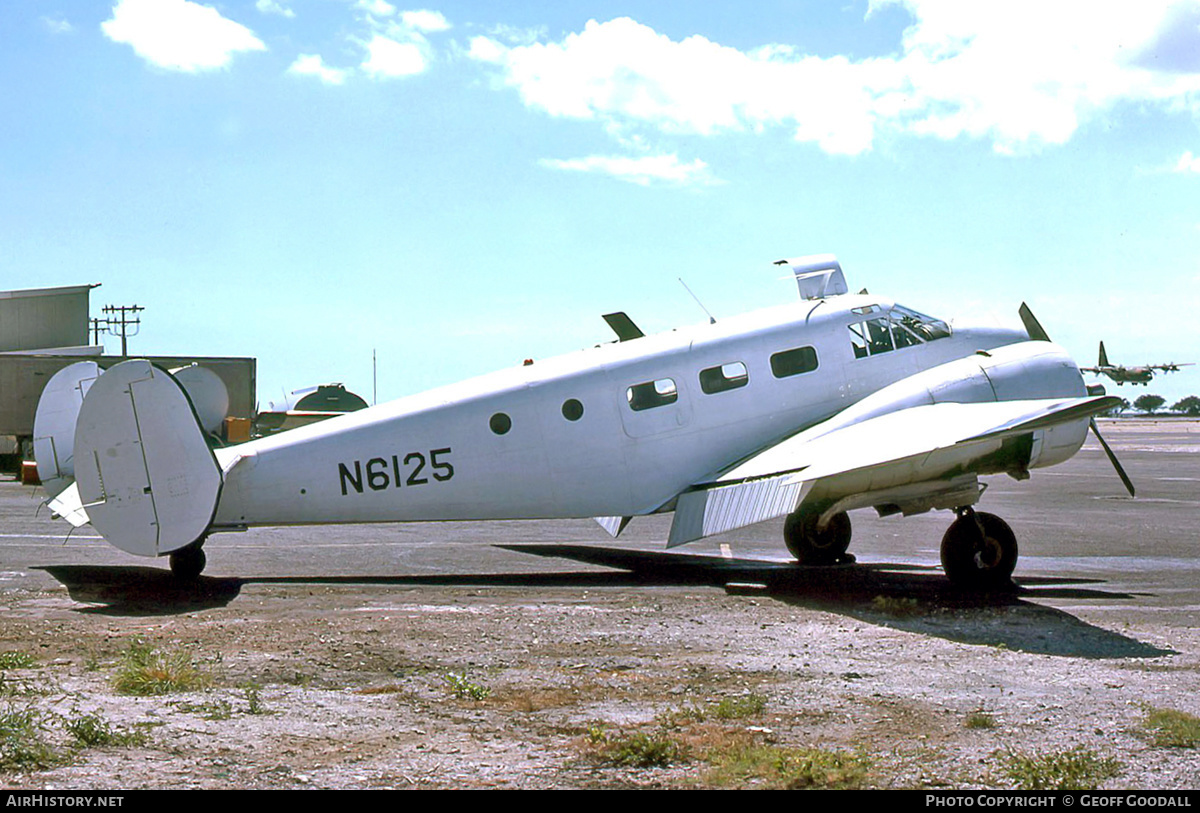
{"x":907,"y":461}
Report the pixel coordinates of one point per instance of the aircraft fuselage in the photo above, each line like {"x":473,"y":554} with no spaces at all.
{"x":615,"y":430}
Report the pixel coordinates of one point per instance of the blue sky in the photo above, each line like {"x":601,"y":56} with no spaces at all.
{"x":464,"y":185}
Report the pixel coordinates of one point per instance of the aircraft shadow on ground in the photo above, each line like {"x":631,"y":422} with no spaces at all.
{"x":905,"y":597}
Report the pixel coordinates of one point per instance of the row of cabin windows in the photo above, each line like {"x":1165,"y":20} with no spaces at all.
{"x":723,"y":377}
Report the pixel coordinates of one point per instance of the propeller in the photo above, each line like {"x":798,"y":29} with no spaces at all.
{"x":1112,"y":458}
{"x":1037,"y":333}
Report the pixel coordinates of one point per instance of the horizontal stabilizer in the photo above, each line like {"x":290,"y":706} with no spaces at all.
{"x":66,"y":505}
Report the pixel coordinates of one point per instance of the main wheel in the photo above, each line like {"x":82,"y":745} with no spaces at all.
{"x":813,"y":547}
{"x":188,"y":563}
{"x":979,"y":552}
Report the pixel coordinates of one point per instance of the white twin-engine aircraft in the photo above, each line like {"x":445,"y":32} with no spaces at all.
{"x":805,"y":410}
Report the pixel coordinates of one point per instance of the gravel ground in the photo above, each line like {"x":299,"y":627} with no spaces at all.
{"x":664,"y":673}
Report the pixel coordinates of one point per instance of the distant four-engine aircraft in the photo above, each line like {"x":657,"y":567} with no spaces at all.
{"x":805,"y":410}
{"x":1129,"y":375}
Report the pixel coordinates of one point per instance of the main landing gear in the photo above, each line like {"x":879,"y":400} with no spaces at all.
{"x":979,"y":550}
{"x":188,"y":563}
{"x":811,"y":546}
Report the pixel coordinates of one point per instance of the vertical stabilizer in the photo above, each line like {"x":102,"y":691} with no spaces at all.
{"x":1103,"y":362}
{"x":145,"y":474}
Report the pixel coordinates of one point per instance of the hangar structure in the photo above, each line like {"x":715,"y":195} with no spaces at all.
{"x":43,"y":330}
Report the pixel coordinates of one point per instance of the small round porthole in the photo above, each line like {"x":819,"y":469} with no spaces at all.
{"x":572,"y":409}
{"x":500,"y":423}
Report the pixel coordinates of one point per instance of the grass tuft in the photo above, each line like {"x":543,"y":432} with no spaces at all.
{"x":92,"y":730}
{"x":639,"y":749}
{"x":980,"y":720}
{"x":789,"y":768}
{"x":1169,"y":728}
{"x":741,"y":706}
{"x":896,"y":607}
{"x":145,"y":671}
{"x":23,"y":744}
{"x":1076,"y":769}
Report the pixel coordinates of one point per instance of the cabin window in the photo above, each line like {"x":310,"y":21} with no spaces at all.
{"x":572,"y":409}
{"x":725,"y":377}
{"x":652,"y":394}
{"x":500,"y":423}
{"x":794,"y":362}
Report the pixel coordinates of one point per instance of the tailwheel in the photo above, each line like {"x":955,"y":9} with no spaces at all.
{"x":817,"y":547}
{"x":188,"y":563}
{"x":979,"y":551}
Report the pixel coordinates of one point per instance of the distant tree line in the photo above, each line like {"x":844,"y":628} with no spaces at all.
{"x":1152,"y":404}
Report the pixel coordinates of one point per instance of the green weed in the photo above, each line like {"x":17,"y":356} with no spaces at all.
{"x":254,"y":703}
{"x":15,"y":660}
{"x":464,"y":689}
{"x":23,"y":743}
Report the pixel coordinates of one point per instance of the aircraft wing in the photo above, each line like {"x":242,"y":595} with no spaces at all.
{"x":912,"y":459}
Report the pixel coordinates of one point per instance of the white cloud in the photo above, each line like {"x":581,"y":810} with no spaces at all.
{"x":427,"y":21}
{"x":1022,"y":74}
{"x":1188,"y":163}
{"x":179,"y":35}
{"x":387,"y":58}
{"x":380,"y":8}
{"x":273,"y":7}
{"x":313,"y":65}
{"x":399,"y":47}
{"x":57,"y":25}
{"x":642,"y":171}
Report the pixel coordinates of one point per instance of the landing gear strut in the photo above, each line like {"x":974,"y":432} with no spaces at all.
{"x":813,"y":547}
{"x":979,"y":551}
{"x":188,"y":563}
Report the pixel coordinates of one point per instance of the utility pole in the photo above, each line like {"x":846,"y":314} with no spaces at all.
{"x":124,"y":322}
{"x":97,"y":326}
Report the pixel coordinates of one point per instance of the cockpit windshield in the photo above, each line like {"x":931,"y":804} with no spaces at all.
{"x":901,"y":327}
{"x":923,"y":327}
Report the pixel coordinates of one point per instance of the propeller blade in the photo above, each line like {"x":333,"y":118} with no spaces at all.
{"x":1112,"y":458}
{"x":1032,"y":326}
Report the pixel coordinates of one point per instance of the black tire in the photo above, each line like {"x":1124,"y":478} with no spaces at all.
{"x":979,"y":552}
{"x":187,"y":564}
{"x":812,"y":548}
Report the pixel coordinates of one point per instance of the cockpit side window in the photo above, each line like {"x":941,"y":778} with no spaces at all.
{"x":871,"y":337}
